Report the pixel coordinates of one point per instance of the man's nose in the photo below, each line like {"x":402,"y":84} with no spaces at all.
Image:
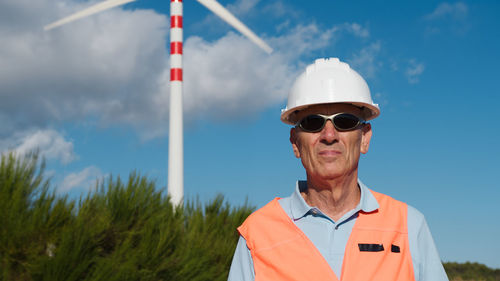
{"x":329,"y":133}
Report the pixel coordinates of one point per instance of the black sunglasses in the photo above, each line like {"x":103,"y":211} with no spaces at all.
{"x":342,"y":122}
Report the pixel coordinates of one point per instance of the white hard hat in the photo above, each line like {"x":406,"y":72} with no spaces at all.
{"x":329,"y":81}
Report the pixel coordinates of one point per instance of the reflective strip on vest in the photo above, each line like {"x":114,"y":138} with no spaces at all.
{"x":377,"y":249}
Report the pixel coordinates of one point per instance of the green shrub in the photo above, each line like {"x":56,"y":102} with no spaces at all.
{"x":31,"y":216}
{"x":119,"y":231}
{"x":471,"y":271}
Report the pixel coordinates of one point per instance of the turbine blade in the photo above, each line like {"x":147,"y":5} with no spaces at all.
{"x":87,"y":12}
{"x":224,"y":14}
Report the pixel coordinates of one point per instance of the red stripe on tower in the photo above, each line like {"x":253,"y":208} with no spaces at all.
{"x":176,"y":21}
{"x":176,"y":74}
{"x":175,"y":0}
{"x":176,"y":48}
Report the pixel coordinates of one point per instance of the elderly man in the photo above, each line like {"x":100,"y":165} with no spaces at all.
{"x":333,"y":227}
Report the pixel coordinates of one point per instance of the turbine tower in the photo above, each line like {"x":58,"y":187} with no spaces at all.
{"x":175,"y":145}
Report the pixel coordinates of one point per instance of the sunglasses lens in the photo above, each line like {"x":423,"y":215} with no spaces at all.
{"x":345,"y":121}
{"x":312,"y":123}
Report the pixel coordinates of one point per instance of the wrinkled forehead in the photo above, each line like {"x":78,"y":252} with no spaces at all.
{"x":329,"y":109}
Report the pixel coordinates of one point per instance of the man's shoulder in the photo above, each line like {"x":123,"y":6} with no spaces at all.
{"x":264,"y":215}
{"x":414,"y":217}
{"x":387,"y":198}
{"x":382,"y":196}
{"x":266,"y":209}
{"x":412,"y":211}
{"x":263,"y":224}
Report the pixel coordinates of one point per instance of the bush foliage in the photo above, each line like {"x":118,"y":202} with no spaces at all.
{"x":122,"y":231}
{"x":471,"y":271}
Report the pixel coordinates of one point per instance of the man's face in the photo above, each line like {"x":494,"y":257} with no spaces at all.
{"x":330,"y":154}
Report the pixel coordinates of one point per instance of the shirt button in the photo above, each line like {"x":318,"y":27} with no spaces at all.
{"x":314,"y":211}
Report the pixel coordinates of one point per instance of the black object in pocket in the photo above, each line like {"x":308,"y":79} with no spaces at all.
{"x":395,"y":249}
{"x":371,"y":247}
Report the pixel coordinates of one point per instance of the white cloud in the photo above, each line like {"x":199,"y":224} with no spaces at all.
{"x":84,"y":180}
{"x":49,"y":143}
{"x":278,"y":9}
{"x":106,"y":66}
{"x":393,"y":64}
{"x":113,"y":68}
{"x":232,"y":77}
{"x":446,"y":16}
{"x":365,"y":62}
{"x":356,"y":29}
{"x":457,"y":10}
{"x":414,"y":70}
{"x":242,"y":6}
{"x":304,"y":39}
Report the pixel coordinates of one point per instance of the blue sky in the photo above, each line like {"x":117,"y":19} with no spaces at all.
{"x":93,"y":97}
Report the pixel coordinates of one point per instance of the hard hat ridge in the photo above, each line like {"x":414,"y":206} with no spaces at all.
{"x":329,"y":81}
{"x":325,"y":63}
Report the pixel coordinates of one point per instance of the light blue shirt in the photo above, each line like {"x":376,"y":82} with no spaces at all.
{"x":331,"y":237}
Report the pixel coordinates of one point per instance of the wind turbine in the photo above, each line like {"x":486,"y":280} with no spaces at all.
{"x":175,"y":146}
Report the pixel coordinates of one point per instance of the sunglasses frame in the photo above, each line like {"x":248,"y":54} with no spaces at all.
{"x":331,"y":118}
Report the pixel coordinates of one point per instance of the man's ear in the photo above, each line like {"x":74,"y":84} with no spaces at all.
{"x":366,"y":136}
{"x":294,"y":142}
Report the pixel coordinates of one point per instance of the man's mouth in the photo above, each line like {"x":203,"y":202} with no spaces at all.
{"x":329,"y":153}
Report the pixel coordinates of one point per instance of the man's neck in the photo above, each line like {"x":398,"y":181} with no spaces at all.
{"x":333,"y":197}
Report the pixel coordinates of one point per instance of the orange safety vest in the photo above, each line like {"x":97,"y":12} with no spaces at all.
{"x":377,"y":249}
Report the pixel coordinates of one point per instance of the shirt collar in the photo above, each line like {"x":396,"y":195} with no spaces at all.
{"x":367,"y":203}
{"x":299,"y":207}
